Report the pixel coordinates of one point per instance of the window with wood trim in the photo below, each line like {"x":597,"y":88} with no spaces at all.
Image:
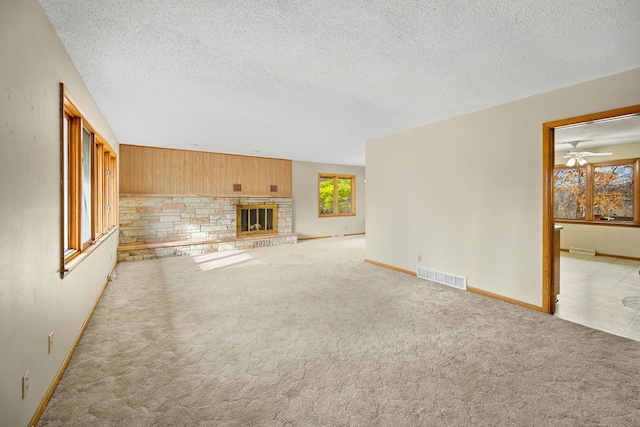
{"x":602,"y":193}
{"x":88,"y":184}
{"x":336,"y":195}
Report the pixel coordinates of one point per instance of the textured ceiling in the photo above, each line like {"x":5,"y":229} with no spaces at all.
{"x":313,"y":80}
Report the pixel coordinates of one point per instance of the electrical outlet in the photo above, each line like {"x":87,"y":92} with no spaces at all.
{"x":25,"y":384}
{"x":50,"y":342}
{"x":419,"y":258}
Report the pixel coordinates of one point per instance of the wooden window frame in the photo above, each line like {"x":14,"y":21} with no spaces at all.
{"x":589,"y":218}
{"x":335,"y":178}
{"x":103,"y":191}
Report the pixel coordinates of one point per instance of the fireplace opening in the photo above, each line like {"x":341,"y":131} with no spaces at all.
{"x":256,"y":219}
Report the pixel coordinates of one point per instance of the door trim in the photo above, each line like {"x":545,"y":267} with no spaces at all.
{"x":548,"y":220}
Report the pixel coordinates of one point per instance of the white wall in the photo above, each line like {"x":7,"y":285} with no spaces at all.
{"x":468,"y":190}
{"x":606,"y":240}
{"x":305,"y":201}
{"x":33,"y":299}
{"x":610,"y":240}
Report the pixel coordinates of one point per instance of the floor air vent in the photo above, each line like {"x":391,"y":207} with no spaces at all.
{"x":582,"y":251}
{"x":458,"y":282}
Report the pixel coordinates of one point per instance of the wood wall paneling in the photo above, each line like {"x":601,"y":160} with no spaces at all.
{"x":124,"y":173}
{"x":280,"y":173}
{"x":156,"y":171}
{"x":131,"y":171}
{"x":149,"y":170}
{"x":228,"y":175}
{"x":272,"y":177}
{"x":192,"y":185}
{"x":212,"y":177}
{"x":256,"y":175}
{"x":146,"y":171}
{"x":176,"y":172}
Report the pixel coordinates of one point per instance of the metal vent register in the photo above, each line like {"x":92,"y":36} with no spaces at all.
{"x":458,"y":282}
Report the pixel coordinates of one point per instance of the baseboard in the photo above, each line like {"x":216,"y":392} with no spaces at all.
{"x":503,"y":298}
{"x":54,"y":384}
{"x":390,"y":267}
{"x":632,"y":258}
{"x":328,"y":237}
{"x":470,"y":289}
{"x":300,"y":239}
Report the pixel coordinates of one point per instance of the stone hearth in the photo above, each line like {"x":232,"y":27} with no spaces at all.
{"x":161,"y":226}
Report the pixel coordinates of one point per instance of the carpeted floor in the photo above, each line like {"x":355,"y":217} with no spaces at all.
{"x":311,"y":335}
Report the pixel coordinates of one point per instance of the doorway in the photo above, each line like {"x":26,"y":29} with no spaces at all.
{"x":551,"y":272}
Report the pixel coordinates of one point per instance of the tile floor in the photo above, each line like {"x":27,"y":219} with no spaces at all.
{"x":601,"y":293}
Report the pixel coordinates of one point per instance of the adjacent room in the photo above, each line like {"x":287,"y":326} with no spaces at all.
{"x":319,"y":213}
{"x":595,"y":193}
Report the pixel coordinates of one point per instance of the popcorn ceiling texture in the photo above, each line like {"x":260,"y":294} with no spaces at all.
{"x":313,"y":80}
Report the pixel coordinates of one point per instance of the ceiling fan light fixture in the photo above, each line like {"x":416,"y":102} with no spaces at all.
{"x":571,"y":162}
{"x":582,"y":161}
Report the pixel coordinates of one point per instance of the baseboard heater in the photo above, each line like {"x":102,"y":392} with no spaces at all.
{"x":458,"y":282}
{"x":582,"y":251}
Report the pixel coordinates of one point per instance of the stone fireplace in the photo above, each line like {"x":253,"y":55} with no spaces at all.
{"x":159,"y":226}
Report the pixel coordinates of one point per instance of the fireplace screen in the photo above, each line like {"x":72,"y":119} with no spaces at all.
{"x":257,"y":219}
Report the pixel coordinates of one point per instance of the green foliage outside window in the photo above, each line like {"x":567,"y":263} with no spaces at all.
{"x":336,"y":195}
{"x":326,"y":196}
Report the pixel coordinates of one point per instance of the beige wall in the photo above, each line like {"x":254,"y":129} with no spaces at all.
{"x":305,"y":201}
{"x":33,"y":299}
{"x":604,"y":239}
{"x":629,"y":150}
{"x":607,"y":240}
{"x":469,"y":189}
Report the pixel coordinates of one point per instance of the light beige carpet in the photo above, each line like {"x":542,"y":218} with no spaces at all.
{"x":311,"y":335}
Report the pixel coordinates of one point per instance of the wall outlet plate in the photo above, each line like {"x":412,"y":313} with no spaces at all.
{"x":25,"y":384}
{"x":50,"y":345}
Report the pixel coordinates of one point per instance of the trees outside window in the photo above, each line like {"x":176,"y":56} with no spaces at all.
{"x":598,"y":191}
{"x":570,"y":187}
{"x":613,"y":191}
{"x":336,"y":195}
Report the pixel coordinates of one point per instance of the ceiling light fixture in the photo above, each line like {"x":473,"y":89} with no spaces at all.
{"x":578,"y":157}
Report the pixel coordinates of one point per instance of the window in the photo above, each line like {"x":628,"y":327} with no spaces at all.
{"x":88,"y":185}
{"x":336,"y":195}
{"x":605,"y":192}
{"x":570,"y":189}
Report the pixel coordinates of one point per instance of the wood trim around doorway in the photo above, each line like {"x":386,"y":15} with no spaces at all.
{"x":548,"y":220}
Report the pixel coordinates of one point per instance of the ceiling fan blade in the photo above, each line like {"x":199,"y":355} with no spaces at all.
{"x":587,"y":153}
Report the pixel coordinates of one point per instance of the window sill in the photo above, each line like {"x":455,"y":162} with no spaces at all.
{"x":71,"y":264}
{"x":599,"y":222}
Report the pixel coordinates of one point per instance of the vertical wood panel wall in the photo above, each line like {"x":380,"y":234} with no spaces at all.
{"x":163,"y":171}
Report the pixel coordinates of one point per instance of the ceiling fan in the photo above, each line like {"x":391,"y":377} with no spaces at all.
{"x":578,"y":157}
